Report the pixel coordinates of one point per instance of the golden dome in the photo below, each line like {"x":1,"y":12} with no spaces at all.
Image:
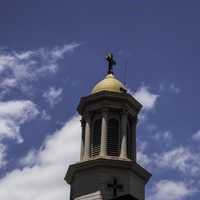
{"x":109,"y":83}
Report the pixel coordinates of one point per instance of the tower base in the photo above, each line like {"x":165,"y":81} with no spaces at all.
{"x":112,"y":178}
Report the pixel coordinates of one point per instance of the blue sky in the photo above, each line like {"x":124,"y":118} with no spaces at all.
{"x":53,"y":52}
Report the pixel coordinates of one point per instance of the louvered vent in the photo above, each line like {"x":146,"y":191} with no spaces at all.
{"x":113,"y":138}
{"x":96,"y":138}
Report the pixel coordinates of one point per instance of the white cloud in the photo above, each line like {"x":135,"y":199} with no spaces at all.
{"x":29,"y":159}
{"x":58,"y":52}
{"x":12,"y":115}
{"x":173,"y":190}
{"x":146,"y":98}
{"x":165,"y":136}
{"x":3,"y":161}
{"x":53,"y":95}
{"x":9,"y":82}
{"x":25,"y":55}
{"x":45,"y":115}
{"x":26,"y":66}
{"x":42,"y":177}
{"x":142,"y":158}
{"x":196,"y":136}
{"x":181,"y":159}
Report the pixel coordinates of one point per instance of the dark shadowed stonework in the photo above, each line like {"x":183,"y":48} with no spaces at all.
{"x":125,"y":197}
{"x":108,"y":166}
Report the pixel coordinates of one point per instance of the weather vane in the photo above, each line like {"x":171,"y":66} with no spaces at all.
{"x":111,"y":62}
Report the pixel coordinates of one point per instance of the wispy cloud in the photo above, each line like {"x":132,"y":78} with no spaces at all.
{"x":146,"y":98}
{"x":163,"y":136}
{"x":196,"y":136}
{"x":174,"y":88}
{"x":180,"y":158}
{"x":3,"y":151}
{"x":45,"y":115}
{"x":53,"y":95}
{"x":175,"y":190}
{"x":170,"y":87}
{"x":12,"y":115}
{"x":17,"y":68}
{"x":142,"y":158}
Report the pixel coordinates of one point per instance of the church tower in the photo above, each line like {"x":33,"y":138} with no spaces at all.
{"x":108,"y":166}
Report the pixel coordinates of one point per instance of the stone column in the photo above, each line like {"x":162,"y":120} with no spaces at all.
{"x":82,"y":138}
{"x":123,"y":153}
{"x":104,"y":130}
{"x":87,"y":137}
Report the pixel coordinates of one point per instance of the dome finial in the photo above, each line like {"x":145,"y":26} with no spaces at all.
{"x":111,"y":62}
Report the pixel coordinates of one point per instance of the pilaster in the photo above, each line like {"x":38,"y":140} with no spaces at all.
{"x":123,"y":153}
{"x":104,"y":130}
{"x":87,"y":136}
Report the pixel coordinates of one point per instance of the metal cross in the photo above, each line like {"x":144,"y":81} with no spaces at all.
{"x":115,"y":187}
{"x":111,"y":62}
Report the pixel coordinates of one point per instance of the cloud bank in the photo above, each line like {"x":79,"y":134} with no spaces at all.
{"x":42,"y":176}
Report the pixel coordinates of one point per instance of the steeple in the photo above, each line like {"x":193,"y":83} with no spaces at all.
{"x":108,"y":165}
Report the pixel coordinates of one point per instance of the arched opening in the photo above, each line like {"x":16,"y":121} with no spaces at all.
{"x":96,"y":138}
{"x":113,"y":138}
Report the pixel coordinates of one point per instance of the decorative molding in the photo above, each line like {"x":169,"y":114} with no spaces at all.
{"x":103,"y":162}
